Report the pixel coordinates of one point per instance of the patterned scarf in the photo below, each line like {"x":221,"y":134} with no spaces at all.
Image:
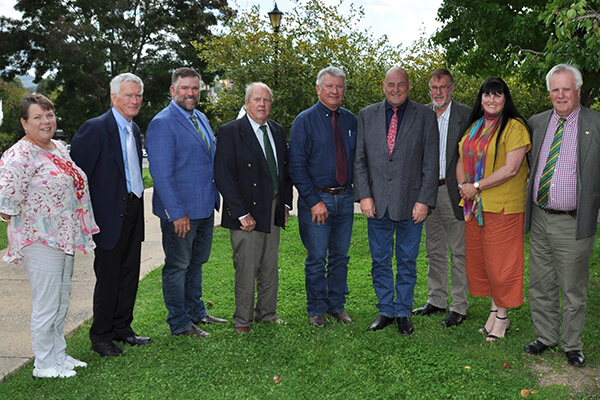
{"x":475,"y":151}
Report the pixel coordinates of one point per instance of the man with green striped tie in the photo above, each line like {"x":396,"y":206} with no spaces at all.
{"x":561,"y":214}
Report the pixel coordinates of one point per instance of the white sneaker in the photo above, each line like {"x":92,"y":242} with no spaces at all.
{"x":69,"y":362}
{"x":53,"y":372}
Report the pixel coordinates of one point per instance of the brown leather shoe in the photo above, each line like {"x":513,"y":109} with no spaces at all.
{"x":318,"y":321}
{"x":342,"y":316}
{"x":194,"y":331}
{"x":242,"y":329}
{"x":209,"y":319}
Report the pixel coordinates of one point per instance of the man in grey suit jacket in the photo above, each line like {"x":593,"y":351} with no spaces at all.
{"x":396,"y":180}
{"x":562,"y":215}
{"x":445,"y":228}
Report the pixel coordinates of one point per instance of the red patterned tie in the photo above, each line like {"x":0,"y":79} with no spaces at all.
{"x":341,"y":161}
{"x":391,"y":136}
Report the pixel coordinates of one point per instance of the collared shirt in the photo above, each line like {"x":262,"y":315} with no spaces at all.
{"x":563,"y":186}
{"x":122,"y":124}
{"x":259,"y":136}
{"x":389,"y":113}
{"x":312,"y":150}
{"x":443,"y":121}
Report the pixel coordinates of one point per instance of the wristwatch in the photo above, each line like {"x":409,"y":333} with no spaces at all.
{"x":476,"y":186}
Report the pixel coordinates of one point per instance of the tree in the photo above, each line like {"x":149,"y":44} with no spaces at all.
{"x":82,"y":44}
{"x":314,"y":35}
{"x":11,"y":93}
{"x":524,"y":37}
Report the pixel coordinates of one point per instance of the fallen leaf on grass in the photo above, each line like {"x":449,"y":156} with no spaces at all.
{"x":538,"y":361}
{"x":276,"y":379}
{"x":525,"y":392}
{"x":467,"y":367}
{"x":505,"y":365}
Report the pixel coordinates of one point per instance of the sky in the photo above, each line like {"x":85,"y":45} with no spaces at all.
{"x":402,"y":20}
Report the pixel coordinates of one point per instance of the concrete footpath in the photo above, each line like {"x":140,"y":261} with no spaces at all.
{"x":15,"y":295}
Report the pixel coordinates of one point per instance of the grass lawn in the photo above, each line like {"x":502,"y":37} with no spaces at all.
{"x":336,"y":362}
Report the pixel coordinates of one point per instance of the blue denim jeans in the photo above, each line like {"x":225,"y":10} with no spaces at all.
{"x":381,"y":243}
{"x":326,"y":265}
{"x":182,"y":273}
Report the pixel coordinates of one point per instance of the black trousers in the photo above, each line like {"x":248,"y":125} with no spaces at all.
{"x":117,"y":277}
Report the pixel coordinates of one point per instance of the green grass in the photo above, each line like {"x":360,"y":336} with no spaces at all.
{"x":336,"y":362}
{"x":148,"y":182}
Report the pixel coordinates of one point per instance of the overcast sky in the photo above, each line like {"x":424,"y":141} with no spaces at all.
{"x":401,"y":20}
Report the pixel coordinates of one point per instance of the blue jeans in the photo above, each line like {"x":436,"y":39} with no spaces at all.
{"x":182,"y":273}
{"x":381,"y":243}
{"x":326,"y":265}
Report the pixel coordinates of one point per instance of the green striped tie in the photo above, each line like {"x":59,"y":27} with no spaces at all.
{"x":270,"y":160}
{"x":195,"y":122}
{"x":546,"y":178}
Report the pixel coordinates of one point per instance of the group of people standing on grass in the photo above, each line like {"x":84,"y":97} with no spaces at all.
{"x":477,"y":179}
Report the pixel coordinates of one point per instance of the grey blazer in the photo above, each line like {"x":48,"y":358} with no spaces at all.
{"x":588,"y":168}
{"x":457,"y":126}
{"x":410,"y":174}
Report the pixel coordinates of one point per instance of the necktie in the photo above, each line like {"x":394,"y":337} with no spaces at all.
{"x":270,"y":160}
{"x":391,"y":136}
{"x":341,"y":161}
{"x":133,"y":163}
{"x":546,"y":178}
{"x":195,"y":122}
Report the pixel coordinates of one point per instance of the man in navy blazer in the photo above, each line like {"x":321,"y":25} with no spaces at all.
{"x":396,"y":180}
{"x":181,"y":149}
{"x":251,"y":172}
{"x":109,"y":150}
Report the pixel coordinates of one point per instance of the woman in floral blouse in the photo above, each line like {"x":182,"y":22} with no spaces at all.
{"x":45,"y":199}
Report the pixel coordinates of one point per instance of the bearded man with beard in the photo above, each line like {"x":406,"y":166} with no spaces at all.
{"x":181,"y":150}
{"x":445,"y":228}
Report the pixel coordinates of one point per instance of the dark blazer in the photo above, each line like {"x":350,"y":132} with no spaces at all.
{"x":181,"y":166}
{"x":410,"y":174}
{"x":588,"y":168}
{"x":96,"y":148}
{"x":457,"y":125}
{"x":243,"y":177}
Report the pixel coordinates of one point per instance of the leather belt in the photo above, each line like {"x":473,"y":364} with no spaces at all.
{"x":572,"y":213}
{"x":335,"y":190}
{"x":441,"y":182}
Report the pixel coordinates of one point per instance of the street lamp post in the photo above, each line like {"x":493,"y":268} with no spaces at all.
{"x":276,"y":16}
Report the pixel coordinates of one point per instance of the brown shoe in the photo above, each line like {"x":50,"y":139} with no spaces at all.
{"x":242,"y":329}
{"x":342,"y":316}
{"x":194,"y":331}
{"x":318,"y":321}
{"x":209,"y":319}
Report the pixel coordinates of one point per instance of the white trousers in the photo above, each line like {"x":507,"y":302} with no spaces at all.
{"x":50,"y":273}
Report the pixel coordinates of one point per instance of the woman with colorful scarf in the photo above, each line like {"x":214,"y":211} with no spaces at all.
{"x":493,"y":173}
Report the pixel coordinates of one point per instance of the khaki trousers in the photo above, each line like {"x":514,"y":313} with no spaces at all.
{"x":255,"y":257}
{"x":558,"y":262}
{"x":443,"y":231}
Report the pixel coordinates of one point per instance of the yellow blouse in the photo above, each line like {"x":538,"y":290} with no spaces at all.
{"x":509,"y":196}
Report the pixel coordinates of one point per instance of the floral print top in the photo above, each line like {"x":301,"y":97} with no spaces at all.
{"x":47,"y":197}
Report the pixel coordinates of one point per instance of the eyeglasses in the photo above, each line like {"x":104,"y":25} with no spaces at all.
{"x":434,"y":89}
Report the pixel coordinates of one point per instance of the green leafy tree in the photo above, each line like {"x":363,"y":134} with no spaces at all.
{"x":11,"y":92}
{"x":314,"y":35}
{"x":81,"y":44}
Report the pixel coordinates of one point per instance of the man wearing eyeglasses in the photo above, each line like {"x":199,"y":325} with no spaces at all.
{"x":445,"y":228}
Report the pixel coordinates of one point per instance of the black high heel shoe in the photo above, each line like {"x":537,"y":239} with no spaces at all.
{"x":491,"y":338}
{"x":483,"y":330}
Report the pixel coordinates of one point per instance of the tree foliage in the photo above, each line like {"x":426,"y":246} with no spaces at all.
{"x":11,"y":93}
{"x":313,"y":35}
{"x":523,"y":37}
{"x":80,"y":45}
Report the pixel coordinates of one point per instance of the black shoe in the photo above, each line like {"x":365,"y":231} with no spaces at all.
{"x":209,"y":319}
{"x":135,"y":340}
{"x":405,"y":327}
{"x":453,"y":319}
{"x":575,"y":358}
{"x":536,"y":348}
{"x":107,"y":349}
{"x":427,"y":309}
{"x":381,"y":322}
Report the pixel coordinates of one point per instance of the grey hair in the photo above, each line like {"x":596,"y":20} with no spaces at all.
{"x":333,"y":71}
{"x":564,"y":68}
{"x":251,"y":87}
{"x":117,"y":81}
